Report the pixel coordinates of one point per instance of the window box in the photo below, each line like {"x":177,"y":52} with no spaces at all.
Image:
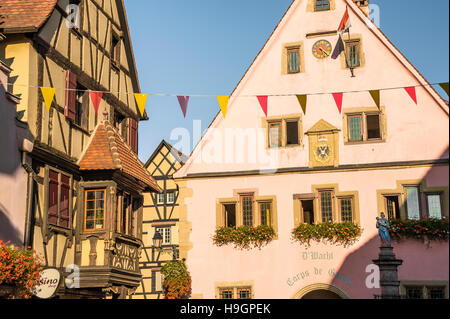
{"x":346,"y":233}
{"x":423,"y":229}
{"x":244,"y":237}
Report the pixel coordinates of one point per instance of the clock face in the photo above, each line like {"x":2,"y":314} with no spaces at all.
{"x":322,"y":49}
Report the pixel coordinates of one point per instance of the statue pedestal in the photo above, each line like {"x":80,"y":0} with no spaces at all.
{"x":388,"y":264}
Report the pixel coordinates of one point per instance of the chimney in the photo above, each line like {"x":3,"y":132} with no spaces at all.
{"x":363,"y":5}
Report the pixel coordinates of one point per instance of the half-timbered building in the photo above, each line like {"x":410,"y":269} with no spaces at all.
{"x":289,"y":167}
{"x":86,"y":190}
{"x":160,"y":214}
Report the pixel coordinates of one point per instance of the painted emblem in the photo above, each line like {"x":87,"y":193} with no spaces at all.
{"x":322,"y":152}
{"x":322,"y":49}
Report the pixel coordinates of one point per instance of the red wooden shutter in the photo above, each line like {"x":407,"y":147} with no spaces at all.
{"x":71,"y":95}
{"x":133,"y":134}
{"x":64,"y":201}
{"x":53,"y":198}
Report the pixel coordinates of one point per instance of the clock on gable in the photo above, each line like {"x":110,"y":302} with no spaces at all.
{"x":322,"y":49}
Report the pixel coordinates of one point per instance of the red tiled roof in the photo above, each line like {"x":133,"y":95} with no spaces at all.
{"x":25,"y":14}
{"x":108,"y":151}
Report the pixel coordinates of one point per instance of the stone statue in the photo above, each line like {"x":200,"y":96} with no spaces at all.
{"x":383,"y":230}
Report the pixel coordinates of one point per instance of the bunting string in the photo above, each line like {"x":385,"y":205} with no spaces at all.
{"x":441,"y":84}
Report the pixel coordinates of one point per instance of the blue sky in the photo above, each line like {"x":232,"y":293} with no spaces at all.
{"x":205,"y":46}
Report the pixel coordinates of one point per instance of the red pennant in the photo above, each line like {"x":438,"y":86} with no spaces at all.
{"x":263,"y":102}
{"x":183,"y":100}
{"x":96,"y":97}
{"x":338,"y":97}
{"x":412,"y":93}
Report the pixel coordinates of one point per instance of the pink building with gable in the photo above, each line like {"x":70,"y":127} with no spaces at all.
{"x":293,"y":167}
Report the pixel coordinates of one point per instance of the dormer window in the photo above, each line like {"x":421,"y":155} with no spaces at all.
{"x":322,"y":5}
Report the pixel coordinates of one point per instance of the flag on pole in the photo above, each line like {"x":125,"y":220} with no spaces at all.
{"x":141,"y":100}
{"x":412,"y":93}
{"x":345,"y":24}
{"x":338,"y":48}
{"x":223,"y":103}
{"x":48,"y":94}
{"x":183,"y":100}
{"x":338,"y":97}
{"x":263,"y":102}
{"x":96,"y":97}
{"x":302,"y":99}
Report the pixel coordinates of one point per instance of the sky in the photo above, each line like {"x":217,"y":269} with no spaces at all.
{"x":205,"y":46}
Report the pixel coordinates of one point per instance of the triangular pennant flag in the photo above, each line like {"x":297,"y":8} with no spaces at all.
{"x":444,"y":86}
{"x":183,"y":100}
{"x":263,"y":102}
{"x":376,"y":96}
{"x":412,"y":93}
{"x":96,"y":97}
{"x":302,"y":99}
{"x":48,"y":94}
{"x":345,"y":24}
{"x":223,"y":103}
{"x":141,"y":100}
{"x":338,"y":97}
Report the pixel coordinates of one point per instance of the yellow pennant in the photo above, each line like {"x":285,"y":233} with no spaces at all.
{"x":223,"y":103}
{"x":141,"y":100}
{"x":48,"y":94}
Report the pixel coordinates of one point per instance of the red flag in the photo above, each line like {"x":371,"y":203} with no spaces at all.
{"x":338,"y":97}
{"x":183,"y":100}
{"x":345,"y":22}
{"x":263,"y":102}
{"x":96,"y":97}
{"x":412,"y":93}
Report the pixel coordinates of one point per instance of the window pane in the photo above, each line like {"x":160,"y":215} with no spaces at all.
{"x":247,"y":210}
{"x":292,"y":133}
{"x":436,"y":292}
{"x":230,"y":215}
{"x":90,"y":214}
{"x":244,"y":294}
{"x":265,"y":210}
{"x":412,"y":203}
{"x":355,"y":128}
{"x":414,"y":292}
{"x":275,"y":135}
{"x":94,"y":210}
{"x":322,"y":5}
{"x":326,"y":206}
{"x":373,"y":126}
{"x":434,"y":206}
{"x":346,"y":210}
{"x":89,"y":224}
{"x":171,"y":197}
{"x":293,"y":56}
{"x":353,"y":54}
{"x":226,"y":294}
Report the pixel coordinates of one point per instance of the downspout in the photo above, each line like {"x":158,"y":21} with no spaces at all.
{"x":27,"y":241}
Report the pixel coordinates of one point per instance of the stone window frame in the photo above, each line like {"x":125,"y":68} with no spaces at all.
{"x":235,"y":287}
{"x":311,"y":6}
{"x":298,"y":117}
{"x":363,"y":112}
{"x":257,"y":200}
{"x":399,"y":191}
{"x":337,"y":196}
{"x":362,"y":57}
{"x":425,"y":285}
{"x":284,"y":57}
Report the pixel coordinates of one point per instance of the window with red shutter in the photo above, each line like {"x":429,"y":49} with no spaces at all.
{"x":59,"y":199}
{"x":53,"y":198}
{"x":71,"y":95}
{"x":133,"y":134}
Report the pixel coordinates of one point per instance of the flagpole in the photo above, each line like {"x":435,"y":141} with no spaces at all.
{"x":351,"y":67}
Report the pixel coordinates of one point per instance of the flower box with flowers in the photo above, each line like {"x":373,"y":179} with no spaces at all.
{"x":177,"y":280}
{"x":244,"y":237}
{"x":346,"y":233}
{"x":423,"y":229}
{"x":19,"y":271}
